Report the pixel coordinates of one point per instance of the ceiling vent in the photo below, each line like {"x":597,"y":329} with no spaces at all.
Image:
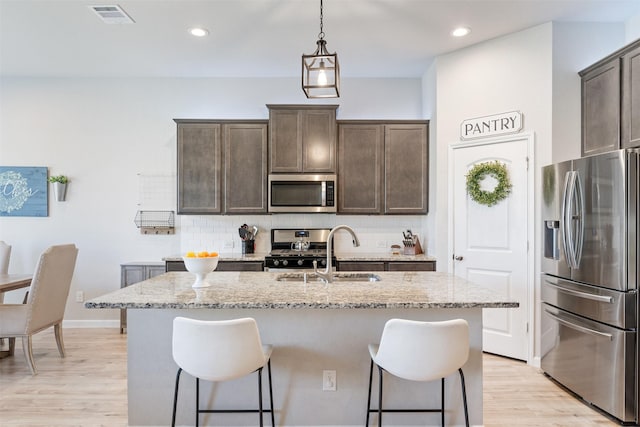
{"x":113,"y":14}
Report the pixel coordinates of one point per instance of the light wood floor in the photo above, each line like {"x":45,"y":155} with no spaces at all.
{"x":89,"y":387}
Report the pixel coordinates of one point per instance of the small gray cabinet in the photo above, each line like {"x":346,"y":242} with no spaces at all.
{"x":383,"y":167}
{"x":386,"y":266}
{"x":302,"y":138}
{"x":222,"y":167}
{"x":134,"y":272}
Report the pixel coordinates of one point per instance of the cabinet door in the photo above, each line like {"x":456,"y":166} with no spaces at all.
{"x":361,"y":168}
{"x":406,"y":169}
{"x":131,"y":274}
{"x":245,"y":170}
{"x":285,"y":141}
{"x":240,"y":266}
{"x":199,"y":168}
{"x":319,"y":141}
{"x":631,"y":99}
{"x":154,"y":270}
{"x":601,"y":109}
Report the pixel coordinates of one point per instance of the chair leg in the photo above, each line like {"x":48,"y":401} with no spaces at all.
{"x":380,"y":398}
{"x":12,"y":346}
{"x":58,"y":331}
{"x":175,"y":398}
{"x":28,"y":353}
{"x":260,"y":396}
{"x":369,"y":399}
{"x":273,"y":422}
{"x":464,"y":398}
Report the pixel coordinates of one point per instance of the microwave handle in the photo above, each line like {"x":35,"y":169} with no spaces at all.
{"x":324,"y":193}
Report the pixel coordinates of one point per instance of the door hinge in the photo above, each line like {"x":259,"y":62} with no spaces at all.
{"x":527,"y":162}
{"x":527,"y":327}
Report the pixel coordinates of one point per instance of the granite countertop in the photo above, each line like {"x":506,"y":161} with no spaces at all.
{"x":352,"y":256}
{"x":244,"y":290}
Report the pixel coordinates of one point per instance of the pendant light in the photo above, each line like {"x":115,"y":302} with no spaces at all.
{"x":320,"y":70}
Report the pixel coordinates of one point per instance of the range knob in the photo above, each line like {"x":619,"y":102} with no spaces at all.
{"x":276,"y":262}
{"x":323,"y":262}
{"x":300,"y":262}
{"x":285,"y":262}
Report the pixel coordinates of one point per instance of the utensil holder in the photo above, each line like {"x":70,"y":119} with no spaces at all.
{"x":248,"y":246}
{"x":415,"y":249}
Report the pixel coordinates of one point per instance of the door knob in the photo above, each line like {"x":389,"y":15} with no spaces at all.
{"x":458,"y":258}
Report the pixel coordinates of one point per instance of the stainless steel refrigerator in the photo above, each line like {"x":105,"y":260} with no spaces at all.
{"x":589,"y":290}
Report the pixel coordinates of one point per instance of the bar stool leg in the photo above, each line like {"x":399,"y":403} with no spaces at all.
{"x":369,"y":400}
{"x":380,"y":399}
{"x":464,"y":398}
{"x":273,"y":422}
{"x":442,"y":407}
{"x":260,"y":396}
{"x":175,"y":398}
{"x":197,"y":402}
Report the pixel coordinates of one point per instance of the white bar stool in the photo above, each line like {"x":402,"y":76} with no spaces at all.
{"x":220,"y":351}
{"x":420,"y":351}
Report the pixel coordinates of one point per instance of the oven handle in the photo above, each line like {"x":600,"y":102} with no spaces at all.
{"x":584,"y":295}
{"x":578,"y":327}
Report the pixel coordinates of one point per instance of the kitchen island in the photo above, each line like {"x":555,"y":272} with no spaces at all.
{"x":313,"y":327}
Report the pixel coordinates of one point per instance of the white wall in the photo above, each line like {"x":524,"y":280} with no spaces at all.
{"x":102,"y":133}
{"x":632,"y":29}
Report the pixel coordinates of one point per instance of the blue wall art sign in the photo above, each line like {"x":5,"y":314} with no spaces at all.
{"x":23,"y":191}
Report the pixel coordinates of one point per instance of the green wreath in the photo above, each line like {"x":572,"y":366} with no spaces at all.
{"x":478,"y":173}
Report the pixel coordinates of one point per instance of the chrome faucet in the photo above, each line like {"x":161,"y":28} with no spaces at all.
{"x":327,"y":274}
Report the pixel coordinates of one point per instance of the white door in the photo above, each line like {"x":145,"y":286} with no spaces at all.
{"x":490,"y":242}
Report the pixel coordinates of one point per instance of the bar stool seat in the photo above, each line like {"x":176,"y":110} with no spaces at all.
{"x":420,"y":351}
{"x":220,"y":351}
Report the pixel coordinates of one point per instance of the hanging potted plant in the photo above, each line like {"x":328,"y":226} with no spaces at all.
{"x":59,"y":186}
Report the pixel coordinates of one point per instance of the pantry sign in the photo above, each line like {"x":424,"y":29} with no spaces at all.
{"x":498,"y":124}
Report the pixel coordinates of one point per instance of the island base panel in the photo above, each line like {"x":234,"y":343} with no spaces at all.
{"x":306,"y":342}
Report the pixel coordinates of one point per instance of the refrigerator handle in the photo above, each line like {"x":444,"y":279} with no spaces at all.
{"x":565,"y":219}
{"x":578,"y":327}
{"x":579,"y":219}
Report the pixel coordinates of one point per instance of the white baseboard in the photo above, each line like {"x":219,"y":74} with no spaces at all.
{"x":91,"y":323}
{"x":536,"y":361}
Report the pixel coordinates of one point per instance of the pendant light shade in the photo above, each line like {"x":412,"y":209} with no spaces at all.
{"x":320,"y":70}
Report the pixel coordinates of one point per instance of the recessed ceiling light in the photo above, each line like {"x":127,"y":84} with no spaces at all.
{"x":461,"y":31}
{"x":199,"y":32}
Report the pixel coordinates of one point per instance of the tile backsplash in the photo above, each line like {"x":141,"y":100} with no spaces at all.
{"x":220,"y":233}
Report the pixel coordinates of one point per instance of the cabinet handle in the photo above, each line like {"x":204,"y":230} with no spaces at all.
{"x":458,"y":258}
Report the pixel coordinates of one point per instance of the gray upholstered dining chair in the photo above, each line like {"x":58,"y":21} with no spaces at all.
{"x":45,"y":304}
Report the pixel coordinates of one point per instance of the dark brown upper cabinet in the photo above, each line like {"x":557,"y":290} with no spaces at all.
{"x":302,"y":138}
{"x":222,"y":167}
{"x":383,"y":167}
{"x":611,"y":102}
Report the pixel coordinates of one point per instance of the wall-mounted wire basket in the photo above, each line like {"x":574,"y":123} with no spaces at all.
{"x":155,"y":222}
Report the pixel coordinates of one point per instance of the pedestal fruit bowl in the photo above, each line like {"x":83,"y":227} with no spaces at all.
{"x":200,"y":264}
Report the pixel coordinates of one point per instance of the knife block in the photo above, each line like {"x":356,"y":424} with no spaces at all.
{"x":416,"y":249}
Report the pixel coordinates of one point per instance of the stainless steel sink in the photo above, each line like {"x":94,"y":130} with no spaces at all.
{"x":337,"y":277}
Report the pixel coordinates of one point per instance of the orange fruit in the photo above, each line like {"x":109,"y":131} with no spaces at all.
{"x":190,"y":254}
{"x":213,"y":254}
{"x":203,"y":254}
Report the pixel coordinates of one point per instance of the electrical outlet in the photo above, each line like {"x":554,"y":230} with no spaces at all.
{"x":228,"y":244}
{"x":79,"y":296}
{"x":329,"y":380}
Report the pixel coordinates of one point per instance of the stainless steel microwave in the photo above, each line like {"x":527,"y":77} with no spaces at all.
{"x":302,"y":193}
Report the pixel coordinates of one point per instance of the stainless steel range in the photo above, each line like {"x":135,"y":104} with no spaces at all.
{"x":297,"y":248}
